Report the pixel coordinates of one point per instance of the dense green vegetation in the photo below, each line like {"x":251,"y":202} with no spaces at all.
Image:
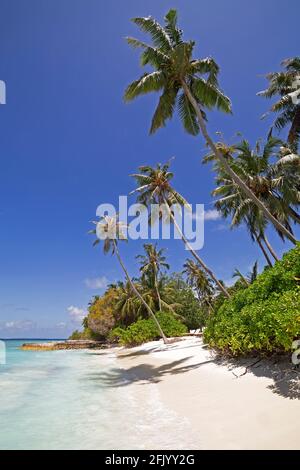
{"x":257,"y":187}
{"x":146,"y":330}
{"x":120,"y":314}
{"x":263,"y":317}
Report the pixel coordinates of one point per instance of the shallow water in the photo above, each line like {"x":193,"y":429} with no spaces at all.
{"x":81,"y":400}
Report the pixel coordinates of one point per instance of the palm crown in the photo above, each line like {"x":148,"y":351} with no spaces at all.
{"x":153,"y":261}
{"x":110,"y":230}
{"x":286,"y":85}
{"x":154,"y":186}
{"x":275,"y":182}
{"x":196,"y":277}
{"x":198,"y":280}
{"x":173,"y":64}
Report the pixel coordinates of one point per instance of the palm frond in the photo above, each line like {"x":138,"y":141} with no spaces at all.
{"x":187,"y":115}
{"x":159,"y":36}
{"x":207,"y":66}
{"x":173,"y":32}
{"x":148,"y":83}
{"x":210,"y":96}
{"x":164,"y":109}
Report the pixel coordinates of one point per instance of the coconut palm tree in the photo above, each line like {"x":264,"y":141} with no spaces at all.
{"x":198,"y":280}
{"x":275,"y":183}
{"x":151,"y":264}
{"x":256,"y":227}
{"x":111,"y":230}
{"x":251,"y":276}
{"x":127,"y":304}
{"x":237,"y":273}
{"x":154,"y":188}
{"x":286,"y":86}
{"x":166,"y":294}
{"x":189,"y":84}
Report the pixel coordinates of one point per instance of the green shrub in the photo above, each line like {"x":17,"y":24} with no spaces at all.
{"x":265,"y":316}
{"x":76,"y":335}
{"x":146,"y":330}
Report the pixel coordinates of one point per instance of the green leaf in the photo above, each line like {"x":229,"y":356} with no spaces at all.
{"x":164,"y":110}
{"x":187,"y":115}
{"x":210,"y":96}
{"x":148,"y":83}
{"x":158,"y":34}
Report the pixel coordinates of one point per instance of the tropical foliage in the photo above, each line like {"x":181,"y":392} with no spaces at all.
{"x":286,"y":86}
{"x":189,"y":84}
{"x":257,"y":186}
{"x":272,"y":172}
{"x":146,"y":330}
{"x":264,"y":317}
{"x":154,"y":187}
{"x":120,"y":307}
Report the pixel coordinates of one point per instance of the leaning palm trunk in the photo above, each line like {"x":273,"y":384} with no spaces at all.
{"x":228,"y":168}
{"x":210,"y":307}
{"x":258,"y":240}
{"x":270,"y":248}
{"x":138,"y":294}
{"x":185,"y":241}
{"x":157,"y":291}
{"x":295,"y":216}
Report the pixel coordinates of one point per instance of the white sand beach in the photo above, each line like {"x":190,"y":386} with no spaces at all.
{"x":225,"y":405}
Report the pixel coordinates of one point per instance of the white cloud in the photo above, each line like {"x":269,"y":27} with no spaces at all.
{"x":17,"y":325}
{"x":61,"y":325}
{"x":96,"y":282}
{"x":212,"y":214}
{"x":77,"y":314}
{"x":221,"y":227}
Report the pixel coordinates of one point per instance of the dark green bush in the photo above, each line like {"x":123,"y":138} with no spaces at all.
{"x":265,"y":316}
{"x":146,"y":330}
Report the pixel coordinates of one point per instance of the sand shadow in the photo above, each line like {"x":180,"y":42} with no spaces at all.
{"x":278,"y":368}
{"x":143,"y":373}
{"x":285,"y":377}
{"x":155,"y":349}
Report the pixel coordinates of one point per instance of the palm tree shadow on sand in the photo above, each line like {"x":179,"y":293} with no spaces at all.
{"x":285,"y":377}
{"x":143,"y":373}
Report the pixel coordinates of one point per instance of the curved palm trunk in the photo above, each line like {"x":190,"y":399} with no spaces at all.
{"x":210,"y":307}
{"x":270,"y":248}
{"x":295,"y":216}
{"x":206,"y":268}
{"x":157,"y":291}
{"x":138,"y":294}
{"x":263,"y":249}
{"x":230,"y":171}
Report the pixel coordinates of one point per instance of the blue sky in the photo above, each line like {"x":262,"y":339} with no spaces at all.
{"x":68,"y":142}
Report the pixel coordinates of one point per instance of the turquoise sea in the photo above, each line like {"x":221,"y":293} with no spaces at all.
{"x":81,"y":400}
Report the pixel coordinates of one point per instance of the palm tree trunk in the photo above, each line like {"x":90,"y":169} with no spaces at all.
{"x":206,"y":268}
{"x":295,"y":216}
{"x":270,"y":248}
{"x":210,"y":307}
{"x":157,"y":291}
{"x":230,"y":171}
{"x":263,"y":249}
{"x":138,"y":294}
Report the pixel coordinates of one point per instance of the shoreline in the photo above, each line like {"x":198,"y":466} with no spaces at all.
{"x":227,"y":406}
